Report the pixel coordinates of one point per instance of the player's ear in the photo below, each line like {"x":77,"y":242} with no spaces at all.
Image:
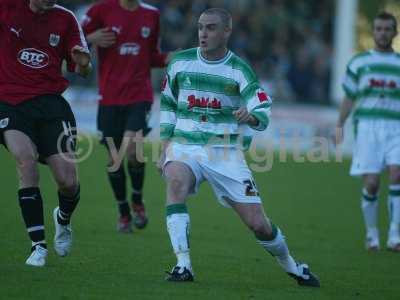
{"x":227,"y":32}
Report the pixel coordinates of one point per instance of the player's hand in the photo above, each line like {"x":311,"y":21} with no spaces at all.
{"x":80,"y":56}
{"x":103,"y":38}
{"x":244,"y":117}
{"x":82,"y":61}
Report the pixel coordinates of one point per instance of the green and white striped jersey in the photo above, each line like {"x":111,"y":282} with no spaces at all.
{"x":199,"y":96}
{"x":373,"y":80}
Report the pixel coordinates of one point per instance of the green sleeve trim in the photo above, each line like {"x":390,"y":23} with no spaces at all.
{"x":263,"y":120}
{"x":352,"y":75}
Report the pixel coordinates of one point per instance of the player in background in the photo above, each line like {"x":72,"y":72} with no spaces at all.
{"x":210,"y":95}
{"x":36,"y":122}
{"x":372,"y":88}
{"x":126,"y":35}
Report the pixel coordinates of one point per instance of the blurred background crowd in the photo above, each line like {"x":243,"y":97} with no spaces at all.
{"x":288,"y":43}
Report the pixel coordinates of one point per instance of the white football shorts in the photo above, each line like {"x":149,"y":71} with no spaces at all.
{"x":377,"y":145}
{"x":225,"y":169}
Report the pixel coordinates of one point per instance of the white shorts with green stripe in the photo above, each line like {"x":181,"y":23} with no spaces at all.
{"x":225,"y":169}
{"x":377,"y":145}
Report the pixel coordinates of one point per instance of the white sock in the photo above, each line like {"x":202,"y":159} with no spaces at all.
{"x":369,"y":206}
{"x":178,"y":225}
{"x":394,"y":208}
{"x":279,"y":249}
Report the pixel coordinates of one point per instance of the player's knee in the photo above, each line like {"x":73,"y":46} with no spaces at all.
{"x":26,"y":164}
{"x":177,"y":185}
{"x":372,"y":186}
{"x":27,"y":170}
{"x":134,"y":155}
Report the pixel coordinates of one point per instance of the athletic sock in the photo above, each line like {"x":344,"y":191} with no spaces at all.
{"x":178,"y":226}
{"x":369,"y":206}
{"x":118,"y":184}
{"x":278,"y":248}
{"x":394,"y":208}
{"x":31,"y":203}
{"x":136,"y":173}
{"x":67,"y":206}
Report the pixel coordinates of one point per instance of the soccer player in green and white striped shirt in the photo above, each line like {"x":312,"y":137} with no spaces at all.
{"x":211,"y":99}
{"x":372,"y":87}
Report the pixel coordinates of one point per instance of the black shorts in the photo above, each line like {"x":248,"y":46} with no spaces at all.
{"x":47,"y":120}
{"x":114,"y":120}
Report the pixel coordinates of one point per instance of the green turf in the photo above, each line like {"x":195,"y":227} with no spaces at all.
{"x":316,"y":205}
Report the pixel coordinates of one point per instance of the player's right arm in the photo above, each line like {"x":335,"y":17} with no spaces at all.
{"x":96,"y":32}
{"x":350,"y":87}
{"x":168,"y":109}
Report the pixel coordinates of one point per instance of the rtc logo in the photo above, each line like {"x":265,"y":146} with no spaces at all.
{"x":33,"y":58}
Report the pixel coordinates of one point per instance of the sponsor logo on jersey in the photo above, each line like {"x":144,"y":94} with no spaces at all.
{"x":4,"y":123}
{"x":146,"y":32}
{"x":376,"y":83}
{"x":54,"y":39}
{"x":262,"y":96}
{"x":33,"y":58}
{"x":129,"y":49}
{"x":231,"y":88}
{"x":203,"y":102}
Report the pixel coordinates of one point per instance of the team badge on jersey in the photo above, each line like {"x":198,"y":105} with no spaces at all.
{"x":231,"y":89}
{"x":187,"y":83}
{"x":146,"y":32}
{"x":54,"y":39}
{"x":4,"y":123}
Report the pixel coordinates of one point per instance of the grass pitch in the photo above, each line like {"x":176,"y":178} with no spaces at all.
{"x":317,"y":207}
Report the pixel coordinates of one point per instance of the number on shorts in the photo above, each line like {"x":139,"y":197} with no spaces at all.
{"x":251,"y":188}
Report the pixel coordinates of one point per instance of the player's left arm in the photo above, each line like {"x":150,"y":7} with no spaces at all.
{"x":257,"y":104}
{"x":259,"y":107}
{"x":157,"y":58}
{"x":78,"y":54}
